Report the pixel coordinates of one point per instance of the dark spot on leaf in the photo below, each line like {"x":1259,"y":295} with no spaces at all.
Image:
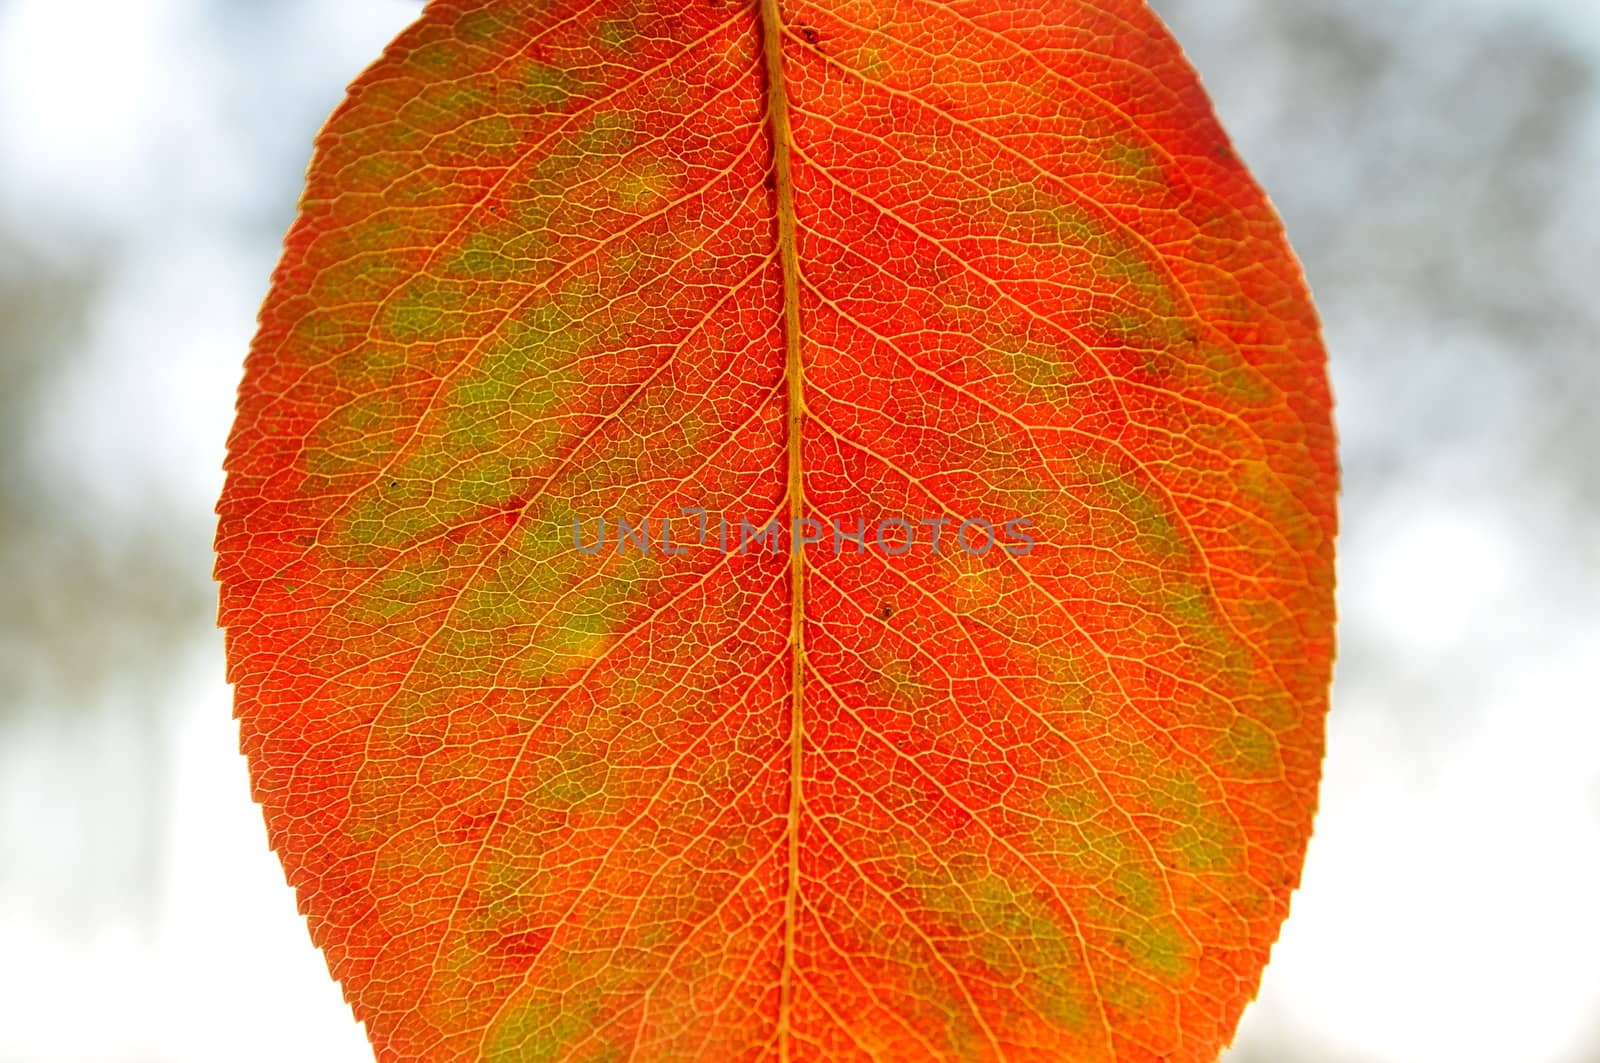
{"x":885,"y":611}
{"x":809,"y":34}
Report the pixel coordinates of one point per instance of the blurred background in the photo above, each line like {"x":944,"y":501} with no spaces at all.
{"x":1436,"y":163}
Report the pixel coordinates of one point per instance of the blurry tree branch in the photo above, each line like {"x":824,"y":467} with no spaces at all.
{"x":82,"y":600}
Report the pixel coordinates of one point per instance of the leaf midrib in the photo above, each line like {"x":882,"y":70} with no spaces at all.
{"x":783,"y":184}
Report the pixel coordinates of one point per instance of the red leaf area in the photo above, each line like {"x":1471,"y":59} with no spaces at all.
{"x":854,"y":262}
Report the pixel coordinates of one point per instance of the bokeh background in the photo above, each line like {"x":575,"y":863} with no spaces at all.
{"x":1436,"y":163}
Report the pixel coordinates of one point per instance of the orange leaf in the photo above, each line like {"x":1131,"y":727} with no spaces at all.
{"x":572,"y":279}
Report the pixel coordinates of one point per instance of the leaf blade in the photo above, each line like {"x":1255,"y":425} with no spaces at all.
{"x":537,"y":804}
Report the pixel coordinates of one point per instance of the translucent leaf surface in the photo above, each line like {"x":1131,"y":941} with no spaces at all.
{"x":888,"y":264}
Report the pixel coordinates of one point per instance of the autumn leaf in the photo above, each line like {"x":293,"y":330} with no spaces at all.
{"x":605,"y":689}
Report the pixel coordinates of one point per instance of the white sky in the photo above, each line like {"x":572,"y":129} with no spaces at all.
{"x":1448,"y":910}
